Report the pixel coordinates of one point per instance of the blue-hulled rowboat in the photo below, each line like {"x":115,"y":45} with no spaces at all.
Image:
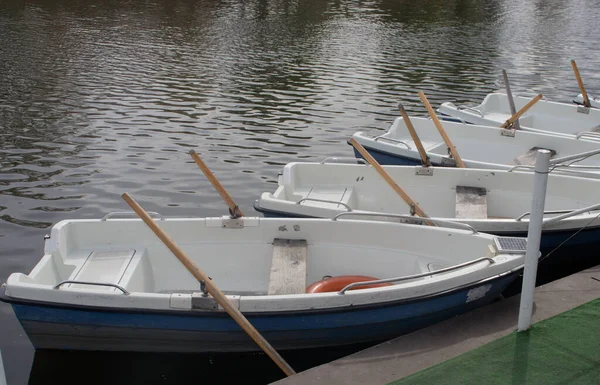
{"x":111,"y":285}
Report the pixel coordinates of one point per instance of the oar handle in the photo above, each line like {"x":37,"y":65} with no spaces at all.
{"x":516,"y":116}
{"x":586,"y":100}
{"x":405,"y":197}
{"x":233,"y":207}
{"x":210,"y":287}
{"x":438,"y":125}
{"x":425,"y":161}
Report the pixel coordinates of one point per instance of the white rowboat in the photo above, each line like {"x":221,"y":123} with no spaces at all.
{"x":492,"y":201}
{"x":482,"y":147}
{"x":110,"y":284}
{"x":562,"y":119}
{"x":489,"y":200}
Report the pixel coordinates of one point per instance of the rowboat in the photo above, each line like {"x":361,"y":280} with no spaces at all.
{"x":491,"y":201}
{"x":562,"y":119}
{"x":109,"y":284}
{"x":481,"y":147}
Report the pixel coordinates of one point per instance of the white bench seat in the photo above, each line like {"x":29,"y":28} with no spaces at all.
{"x":333,"y":198}
{"x":111,"y":267}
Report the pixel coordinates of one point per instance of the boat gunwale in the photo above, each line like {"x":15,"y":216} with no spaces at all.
{"x":221,"y":313}
{"x":571,"y":220}
{"x":411,"y":157}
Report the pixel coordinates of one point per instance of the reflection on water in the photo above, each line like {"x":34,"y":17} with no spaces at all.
{"x":117,"y":368}
{"x":98,"y":98}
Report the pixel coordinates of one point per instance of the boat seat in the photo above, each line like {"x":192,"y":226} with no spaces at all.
{"x":471,"y":202}
{"x":105,"y":267}
{"x":528,"y":158}
{"x":288,"y":267}
{"x":428,"y":145}
{"x":436,"y":147}
{"x":327,"y":197}
{"x":497,"y":117}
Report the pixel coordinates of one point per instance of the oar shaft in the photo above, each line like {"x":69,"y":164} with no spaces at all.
{"x":233,"y":208}
{"x":405,"y":197}
{"x":413,"y":133}
{"x":210,"y":286}
{"x":586,"y":100}
{"x":438,"y":125}
{"x":511,"y":101}
{"x":526,"y":107}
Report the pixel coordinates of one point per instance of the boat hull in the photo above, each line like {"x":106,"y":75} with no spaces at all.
{"x":50,"y":326}
{"x":551,"y":239}
{"x":388,"y":159}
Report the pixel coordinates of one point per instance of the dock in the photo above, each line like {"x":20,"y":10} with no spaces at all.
{"x":482,"y":346}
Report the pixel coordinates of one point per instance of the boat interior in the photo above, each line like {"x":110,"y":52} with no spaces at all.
{"x":542,"y":115}
{"x":264,"y":257}
{"x":486,"y":146}
{"x":475,"y":194}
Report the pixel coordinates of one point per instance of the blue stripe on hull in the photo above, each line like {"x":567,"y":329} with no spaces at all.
{"x":288,"y":330}
{"x":389,"y":159}
{"x":450,"y":118}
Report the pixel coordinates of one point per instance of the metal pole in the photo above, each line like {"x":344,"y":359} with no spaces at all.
{"x":575,"y":156}
{"x":534,"y":234}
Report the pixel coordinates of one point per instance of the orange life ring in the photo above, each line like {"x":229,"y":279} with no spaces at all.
{"x":332,"y":284}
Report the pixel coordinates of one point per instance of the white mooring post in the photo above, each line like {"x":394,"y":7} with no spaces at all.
{"x":534,"y":234}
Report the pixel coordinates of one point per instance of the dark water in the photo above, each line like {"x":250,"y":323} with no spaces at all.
{"x":102,"y":97}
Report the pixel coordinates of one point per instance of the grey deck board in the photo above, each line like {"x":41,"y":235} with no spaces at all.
{"x":288,"y":267}
{"x":471,"y":202}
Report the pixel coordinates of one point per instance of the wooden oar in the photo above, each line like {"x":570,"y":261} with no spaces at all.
{"x":438,"y":124}
{"x":586,"y":100}
{"x":234,"y":209}
{"x":516,"y":116}
{"x":211,"y":287}
{"x":415,"y":208}
{"x":413,"y":133}
{"x":511,"y":101}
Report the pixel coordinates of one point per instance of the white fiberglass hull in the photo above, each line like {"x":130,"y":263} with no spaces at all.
{"x":481,"y":147}
{"x":561,"y":119}
{"x":145,"y":300}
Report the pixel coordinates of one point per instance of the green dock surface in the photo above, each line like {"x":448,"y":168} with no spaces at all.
{"x":564,"y":349}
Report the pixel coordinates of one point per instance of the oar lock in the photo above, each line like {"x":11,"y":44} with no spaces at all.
{"x":203,"y":287}
{"x":235,"y":213}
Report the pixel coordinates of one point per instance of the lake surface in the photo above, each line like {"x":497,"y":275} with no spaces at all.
{"x":98,"y":98}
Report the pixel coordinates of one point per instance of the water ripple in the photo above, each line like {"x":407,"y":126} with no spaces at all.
{"x":97,"y":99}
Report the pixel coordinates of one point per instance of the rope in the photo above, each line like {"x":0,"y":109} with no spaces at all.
{"x":568,"y":239}
{"x":567,"y":164}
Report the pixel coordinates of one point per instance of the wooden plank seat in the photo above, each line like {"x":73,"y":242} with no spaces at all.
{"x":528,"y":158}
{"x":471,"y":202}
{"x":288,"y":267}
